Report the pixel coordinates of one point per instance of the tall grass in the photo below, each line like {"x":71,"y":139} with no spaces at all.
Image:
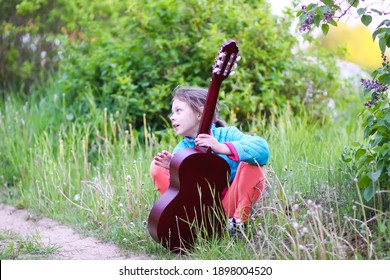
{"x":93,"y":173}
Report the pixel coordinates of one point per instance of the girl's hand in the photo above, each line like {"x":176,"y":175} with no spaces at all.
{"x":163,"y":159}
{"x":206,"y":140}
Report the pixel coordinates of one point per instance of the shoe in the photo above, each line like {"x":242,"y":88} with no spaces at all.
{"x":235,"y":227}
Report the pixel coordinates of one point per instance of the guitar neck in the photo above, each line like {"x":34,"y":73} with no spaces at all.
{"x":221,"y":70}
{"x":209,"y":108}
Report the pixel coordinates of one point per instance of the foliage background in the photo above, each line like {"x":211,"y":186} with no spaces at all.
{"x":354,"y":43}
{"x":128,"y":56}
{"x":370,"y":159}
{"x":85,"y":94}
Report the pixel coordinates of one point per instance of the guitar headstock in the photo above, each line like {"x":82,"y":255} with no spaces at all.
{"x":226,"y":60}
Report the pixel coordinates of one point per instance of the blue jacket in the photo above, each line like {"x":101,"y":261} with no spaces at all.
{"x":247,"y":148}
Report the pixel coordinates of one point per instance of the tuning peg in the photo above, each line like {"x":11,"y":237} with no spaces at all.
{"x":238,"y":58}
{"x":235,"y":65}
{"x":216,"y":70}
{"x":222,"y":55}
{"x":232,"y":73}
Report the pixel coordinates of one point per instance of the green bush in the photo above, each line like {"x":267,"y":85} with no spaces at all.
{"x":367,"y":163}
{"x":31,"y":31}
{"x":163,"y":44}
{"x":27,"y":41}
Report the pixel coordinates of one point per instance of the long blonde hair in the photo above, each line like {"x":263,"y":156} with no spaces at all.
{"x":196,"y":99}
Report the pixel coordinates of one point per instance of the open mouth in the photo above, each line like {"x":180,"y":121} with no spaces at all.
{"x":175,"y":126}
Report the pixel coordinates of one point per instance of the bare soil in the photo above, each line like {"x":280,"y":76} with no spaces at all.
{"x":72,"y":245}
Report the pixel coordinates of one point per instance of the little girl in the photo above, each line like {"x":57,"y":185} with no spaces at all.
{"x":245,"y":155}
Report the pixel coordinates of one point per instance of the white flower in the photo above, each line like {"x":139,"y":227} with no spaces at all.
{"x":301,"y":248}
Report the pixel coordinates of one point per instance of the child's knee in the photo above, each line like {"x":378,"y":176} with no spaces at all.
{"x":252,"y":172}
{"x":160,"y":177}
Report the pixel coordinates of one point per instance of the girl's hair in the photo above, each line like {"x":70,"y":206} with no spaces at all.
{"x":196,"y":99}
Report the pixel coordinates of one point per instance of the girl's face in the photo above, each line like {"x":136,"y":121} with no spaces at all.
{"x":184,"y":119}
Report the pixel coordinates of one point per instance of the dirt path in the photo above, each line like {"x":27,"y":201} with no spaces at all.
{"x":73,"y":246}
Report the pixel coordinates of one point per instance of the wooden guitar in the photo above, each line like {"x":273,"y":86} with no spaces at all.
{"x":191,"y":206}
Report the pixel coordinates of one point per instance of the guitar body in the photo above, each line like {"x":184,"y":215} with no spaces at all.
{"x":192,"y":205}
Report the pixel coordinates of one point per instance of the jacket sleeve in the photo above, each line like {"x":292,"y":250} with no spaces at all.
{"x":183,"y":144}
{"x":248,"y":148}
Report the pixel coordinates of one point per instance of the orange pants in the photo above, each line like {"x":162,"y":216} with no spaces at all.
{"x":241,"y":195}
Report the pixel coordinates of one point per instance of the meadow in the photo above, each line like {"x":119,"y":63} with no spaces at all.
{"x":93,"y":174}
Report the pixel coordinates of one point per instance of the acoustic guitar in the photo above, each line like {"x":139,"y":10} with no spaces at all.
{"x":191,"y":207}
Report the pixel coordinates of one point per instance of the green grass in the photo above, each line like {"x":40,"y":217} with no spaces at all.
{"x":14,"y":246}
{"x":93,"y":173}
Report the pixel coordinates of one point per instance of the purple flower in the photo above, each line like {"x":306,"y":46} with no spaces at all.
{"x":307,"y":24}
{"x":377,"y":87}
{"x":328,"y":16}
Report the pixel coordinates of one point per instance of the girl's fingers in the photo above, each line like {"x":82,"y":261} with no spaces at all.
{"x":203,"y":136}
{"x":160,"y":157}
{"x":167,"y":154}
{"x":163,"y":157}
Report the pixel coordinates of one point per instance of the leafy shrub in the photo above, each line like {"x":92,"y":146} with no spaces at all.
{"x":28,"y":43}
{"x":31,"y":31}
{"x":368,"y":162}
{"x":163,"y":44}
